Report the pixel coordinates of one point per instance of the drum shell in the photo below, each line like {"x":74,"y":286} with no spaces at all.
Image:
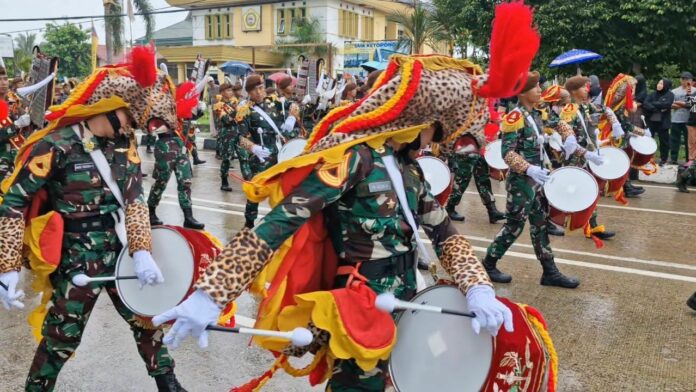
{"x":442,"y":170}
{"x":297,"y":144}
{"x":498,"y":169}
{"x":638,"y":159}
{"x":572,"y":220}
{"x":610,"y":184}
{"x":576,"y":218}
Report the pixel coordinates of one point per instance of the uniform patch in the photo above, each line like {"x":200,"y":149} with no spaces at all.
{"x":569,"y":112}
{"x":85,"y":166}
{"x":242,"y":112}
{"x":379,"y":187}
{"x":335,"y":174}
{"x":513,"y":122}
{"x":40,"y":165}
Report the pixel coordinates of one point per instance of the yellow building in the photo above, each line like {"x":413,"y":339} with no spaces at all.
{"x":242,"y":30}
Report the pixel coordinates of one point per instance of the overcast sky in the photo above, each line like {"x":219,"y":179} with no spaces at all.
{"x":10,"y":9}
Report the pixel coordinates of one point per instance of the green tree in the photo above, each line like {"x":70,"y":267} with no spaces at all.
{"x":304,"y":31}
{"x":418,"y":27}
{"x":24,"y":43}
{"x":71,"y":45}
{"x":114,"y":30}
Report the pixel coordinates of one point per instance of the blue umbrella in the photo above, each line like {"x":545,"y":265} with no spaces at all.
{"x":236,"y":68}
{"x":575,"y":56}
{"x":374,"y":65}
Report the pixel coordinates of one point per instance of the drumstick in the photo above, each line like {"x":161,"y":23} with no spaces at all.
{"x":4,"y":286}
{"x":388,"y":303}
{"x":299,"y":336}
{"x":83,"y":280}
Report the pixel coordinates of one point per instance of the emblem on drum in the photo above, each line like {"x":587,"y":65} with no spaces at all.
{"x":514,"y":371}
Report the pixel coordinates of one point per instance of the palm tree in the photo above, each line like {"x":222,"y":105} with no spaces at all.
{"x":24,"y":44}
{"x":114,"y":23}
{"x":417,"y":26}
{"x":304,"y":31}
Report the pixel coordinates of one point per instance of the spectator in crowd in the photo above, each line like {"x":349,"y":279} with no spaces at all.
{"x":690,"y":99}
{"x":680,"y":115}
{"x":658,"y":115}
{"x":596,"y":95}
{"x":639,"y":97}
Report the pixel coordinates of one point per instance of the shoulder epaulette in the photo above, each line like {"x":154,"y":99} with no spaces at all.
{"x":242,"y":112}
{"x":512,"y":122}
{"x":569,"y":112}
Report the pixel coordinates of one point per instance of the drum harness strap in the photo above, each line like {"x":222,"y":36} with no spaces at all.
{"x":592,"y":140}
{"x":105,"y":171}
{"x":544,"y":158}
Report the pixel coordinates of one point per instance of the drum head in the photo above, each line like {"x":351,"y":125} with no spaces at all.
{"x":494,"y":155}
{"x":571,"y":189}
{"x":291,"y":149}
{"x":616,"y":164}
{"x":436,"y":173}
{"x":643,"y":145}
{"x":439,"y":352}
{"x":174,"y":257}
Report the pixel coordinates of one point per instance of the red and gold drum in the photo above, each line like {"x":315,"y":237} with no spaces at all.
{"x":641,"y":150}
{"x":572,"y":194}
{"x":438,"y":176}
{"x":613,"y":173}
{"x":495,"y":161}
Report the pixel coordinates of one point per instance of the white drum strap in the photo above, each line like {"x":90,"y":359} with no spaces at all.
{"x":270,"y":121}
{"x":105,"y":171}
{"x":581,"y":116}
{"x":544,"y":158}
{"x":398,"y":183}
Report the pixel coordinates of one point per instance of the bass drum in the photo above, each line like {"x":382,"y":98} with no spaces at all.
{"x":572,"y":194}
{"x":438,"y":176}
{"x":293,"y":148}
{"x":495,"y":161}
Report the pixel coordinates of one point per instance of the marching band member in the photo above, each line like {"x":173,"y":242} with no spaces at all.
{"x":292,"y":124}
{"x":225,"y":111}
{"x":85,"y":168}
{"x":522,"y":140}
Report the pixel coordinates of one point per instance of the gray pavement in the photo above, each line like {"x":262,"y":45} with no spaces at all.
{"x":626,"y":328}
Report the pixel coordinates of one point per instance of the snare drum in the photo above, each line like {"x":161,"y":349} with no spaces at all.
{"x":441,"y":352}
{"x":495,"y":161}
{"x":572,"y":194}
{"x":438,"y":176}
{"x":291,"y":149}
{"x":641,"y":150}
{"x":613,"y":173}
{"x":181,"y":254}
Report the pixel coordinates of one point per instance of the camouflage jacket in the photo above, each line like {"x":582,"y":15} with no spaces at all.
{"x":7,"y":133}
{"x":520,"y":147}
{"x":225,"y":113}
{"x":584,"y":119}
{"x":60,"y":164}
{"x":363,"y":216}
{"x":249,"y":123}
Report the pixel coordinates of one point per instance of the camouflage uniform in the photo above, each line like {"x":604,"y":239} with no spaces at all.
{"x":189,"y":131}
{"x":60,"y":165}
{"x":7,"y":151}
{"x":149,"y":140}
{"x":225,"y":113}
{"x":171,"y":155}
{"x":464,"y":167}
{"x":525,"y":198}
{"x":283,"y":107}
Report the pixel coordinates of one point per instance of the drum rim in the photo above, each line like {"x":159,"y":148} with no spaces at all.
{"x":283,"y":148}
{"x":444,"y":165}
{"x":636,"y":139}
{"x":401,"y":313}
{"x":572,"y":168}
{"x":592,"y":165}
{"x":120,"y":258}
{"x":502,"y":159}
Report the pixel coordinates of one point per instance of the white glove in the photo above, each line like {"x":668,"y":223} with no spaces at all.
{"x":539,"y":175}
{"x":570,"y":146}
{"x":146,"y":269}
{"x":616,"y":130}
{"x":594,"y":157}
{"x":307,"y":98}
{"x":261,"y":152}
{"x":11,"y":298}
{"x":647,"y":132}
{"x":490,"y":313}
{"x":23,"y":121}
{"x":192,"y":317}
{"x":201,"y":107}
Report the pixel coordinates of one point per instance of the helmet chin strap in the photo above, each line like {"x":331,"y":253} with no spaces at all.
{"x":114,"y":121}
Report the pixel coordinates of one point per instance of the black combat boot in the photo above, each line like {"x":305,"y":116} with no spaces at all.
{"x":630,"y":191}
{"x":225,"y":185}
{"x":196,"y":159}
{"x":190,"y":222}
{"x":681,"y":182}
{"x":168,"y":383}
{"x":494,"y":273}
{"x":148,"y":150}
{"x":635,"y":187}
{"x":553,"y":277}
{"x":454,"y":215}
{"x":249,"y":223}
{"x":154,"y":220}
{"x":603,"y":235}
{"x":493,"y":214}
{"x":553,"y":229}
{"x":692,"y":302}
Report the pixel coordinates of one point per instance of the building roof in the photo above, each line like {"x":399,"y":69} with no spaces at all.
{"x":180,"y":33}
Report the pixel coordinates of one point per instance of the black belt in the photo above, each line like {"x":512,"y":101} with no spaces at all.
{"x":92,"y":223}
{"x":164,"y":136}
{"x":389,"y":266}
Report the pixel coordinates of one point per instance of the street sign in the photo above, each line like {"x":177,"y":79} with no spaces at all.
{"x":6,"y":46}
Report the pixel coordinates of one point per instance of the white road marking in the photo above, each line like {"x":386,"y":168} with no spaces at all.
{"x":605,"y":267}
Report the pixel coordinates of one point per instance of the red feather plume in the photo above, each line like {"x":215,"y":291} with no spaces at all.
{"x":4,"y":110}
{"x":186,"y":100}
{"x":514,"y":43}
{"x":141,"y":64}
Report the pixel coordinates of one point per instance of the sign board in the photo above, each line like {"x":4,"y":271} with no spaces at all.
{"x":6,"y":46}
{"x":251,"y":18}
{"x":359,"y":52}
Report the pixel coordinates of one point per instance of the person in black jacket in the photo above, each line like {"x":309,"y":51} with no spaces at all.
{"x":658,"y":115}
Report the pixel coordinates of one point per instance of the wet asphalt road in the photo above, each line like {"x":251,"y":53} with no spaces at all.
{"x":626,"y":328}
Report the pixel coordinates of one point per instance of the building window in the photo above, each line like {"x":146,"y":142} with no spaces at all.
{"x":348,"y":24}
{"x":288,"y":19}
{"x":218,"y":26}
{"x":368,"y":28}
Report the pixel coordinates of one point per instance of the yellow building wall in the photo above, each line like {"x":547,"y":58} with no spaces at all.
{"x":380,"y":24}
{"x":254,"y":38}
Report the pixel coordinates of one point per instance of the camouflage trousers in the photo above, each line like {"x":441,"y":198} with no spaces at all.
{"x":250,"y":166}
{"x":171,"y":156}
{"x":525,"y":200}
{"x":464,"y":167}
{"x":227,"y":139}
{"x":7,"y":158}
{"x":347,"y":375}
{"x":95,"y":254}
{"x":149,"y":140}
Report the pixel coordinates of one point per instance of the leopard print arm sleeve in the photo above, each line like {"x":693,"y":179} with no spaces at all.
{"x":11,"y":235}
{"x":235,"y":268}
{"x":564,"y":130}
{"x":516,"y":162}
{"x":459,"y":260}
{"x":138,"y":227}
